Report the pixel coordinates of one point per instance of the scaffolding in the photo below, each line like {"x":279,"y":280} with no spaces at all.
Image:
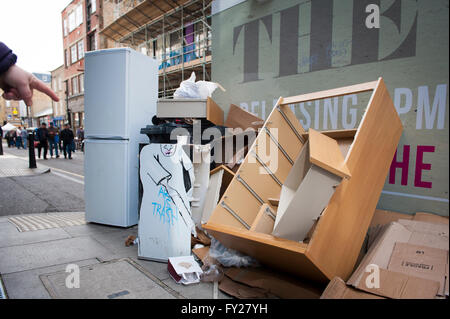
{"x":176,"y":33}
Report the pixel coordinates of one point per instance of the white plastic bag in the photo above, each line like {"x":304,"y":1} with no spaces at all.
{"x":189,"y":89}
{"x":230,"y":257}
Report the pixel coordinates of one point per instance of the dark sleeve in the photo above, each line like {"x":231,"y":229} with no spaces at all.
{"x":7,"y":58}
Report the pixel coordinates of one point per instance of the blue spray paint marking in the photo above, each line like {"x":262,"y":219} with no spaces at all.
{"x":168,"y":213}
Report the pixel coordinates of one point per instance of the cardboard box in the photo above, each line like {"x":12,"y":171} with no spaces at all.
{"x":431,"y":218}
{"x":242,"y":128}
{"x":242,"y":291}
{"x":420,"y":261}
{"x":382,"y":218}
{"x":273,"y":283}
{"x":337,"y":289}
{"x":395,"y":284}
{"x":400,"y":286}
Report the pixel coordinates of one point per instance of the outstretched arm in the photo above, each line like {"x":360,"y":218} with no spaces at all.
{"x":19,"y":84}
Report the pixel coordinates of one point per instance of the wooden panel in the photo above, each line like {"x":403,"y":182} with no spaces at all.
{"x":239,"y":118}
{"x":325,"y":153}
{"x":223,"y":217}
{"x":212,"y":196}
{"x":352,"y":89}
{"x":337,"y":240}
{"x":336,"y":134}
{"x":302,"y":200}
{"x":285,"y":255}
{"x":263,"y":184}
{"x":272,"y":156}
{"x":241,"y":201}
{"x":274,"y":201}
{"x":345,"y":144}
{"x":344,"y":138}
{"x":214,"y":113}
{"x":284,"y":135}
{"x":227,"y":177}
{"x":263,"y":223}
{"x":237,"y":196}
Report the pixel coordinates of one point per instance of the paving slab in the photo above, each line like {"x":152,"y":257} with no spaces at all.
{"x":89,"y":229}
{"x":158,"y":269}
{"x":202,"y":290}
{"x":28,"y":285}
{"x":10,"y":236}
{"x":31,"y":256}
{"x":111,"y":280}
{"x":12,"y":166}
{"x":115,"y":241}
{"x":4,"y":219}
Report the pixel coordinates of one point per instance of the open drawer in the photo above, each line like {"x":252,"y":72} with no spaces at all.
{"x":336,"y":240}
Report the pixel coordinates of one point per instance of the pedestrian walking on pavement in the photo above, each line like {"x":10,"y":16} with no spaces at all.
{"x":58,"y":140}
{"x":24,"y":134}
{"x":80,"y":137}
{"x":42,"y":137}
{"x":67,"y":138}
{"x":12,"y":138}
{"x":8,"y":138}
{"x":19,"y":142}
{"x":52,"y":143}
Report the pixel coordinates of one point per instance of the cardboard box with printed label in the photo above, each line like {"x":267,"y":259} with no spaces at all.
{"x":408,"y":253}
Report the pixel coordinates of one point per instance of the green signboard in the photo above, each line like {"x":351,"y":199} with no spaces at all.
{"x":265,"y":49}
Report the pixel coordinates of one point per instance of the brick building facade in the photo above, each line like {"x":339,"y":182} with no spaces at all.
{"x":81,"y":22}
{"x":58,"y":86}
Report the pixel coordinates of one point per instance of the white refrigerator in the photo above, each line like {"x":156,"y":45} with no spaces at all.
{"x":121,"y":91}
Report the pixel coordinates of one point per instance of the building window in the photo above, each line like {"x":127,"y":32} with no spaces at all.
{"x":92,"y":42}
{"x":73,"y":54}
{"x":65,"y":27}
{"x":66,"y":58}
{"x":93,"y":6}
{"x":81,"y":83}
{"x":79,"y":15}
{"x":74,"y":85}
{"x":80,"y":49}
{"x":75,"y":18}
{"x":72,"y":21}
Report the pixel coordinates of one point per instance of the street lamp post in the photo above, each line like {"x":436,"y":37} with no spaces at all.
{"x":31,"y":154}
{"x":67,"y":103}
